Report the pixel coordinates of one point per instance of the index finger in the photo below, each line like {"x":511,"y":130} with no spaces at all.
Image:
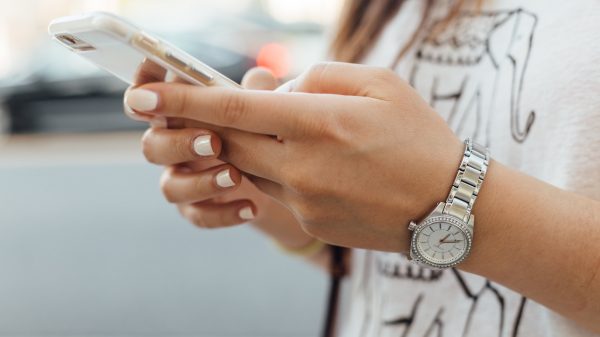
{"x":149,"y":71}
{"x":257,"y":111}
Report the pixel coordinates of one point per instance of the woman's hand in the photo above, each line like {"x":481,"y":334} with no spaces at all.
{"x":351,"y":150}
{"x":207,"y":191}
{"x":358,"y":154}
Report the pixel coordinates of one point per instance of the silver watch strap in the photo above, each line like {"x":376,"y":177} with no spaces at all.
{"x":468,"y":181}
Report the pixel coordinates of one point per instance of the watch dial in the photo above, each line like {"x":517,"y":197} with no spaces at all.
{"x":442,"y":242}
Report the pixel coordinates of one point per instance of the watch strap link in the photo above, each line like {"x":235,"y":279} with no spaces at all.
{"x":468,"y":181}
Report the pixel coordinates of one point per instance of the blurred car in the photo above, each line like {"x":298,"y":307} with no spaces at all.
{"x":62,"y":93}
{"x":59,"y":92}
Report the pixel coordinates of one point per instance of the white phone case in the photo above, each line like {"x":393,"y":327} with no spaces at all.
{"x":120,"y":47}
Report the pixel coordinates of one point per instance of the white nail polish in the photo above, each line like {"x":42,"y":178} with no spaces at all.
{"x":203,"y":146}
{"x":141,"y":100}
{"x":134,"y":115}
{"x":224,"y":179}
{"x":246,"y":213}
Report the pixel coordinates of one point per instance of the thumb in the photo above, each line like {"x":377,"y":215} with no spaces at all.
{"x":259,"y":78}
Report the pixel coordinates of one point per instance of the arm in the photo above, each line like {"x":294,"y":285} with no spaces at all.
{"x":359,"y":154}
{"x":540,"y":241}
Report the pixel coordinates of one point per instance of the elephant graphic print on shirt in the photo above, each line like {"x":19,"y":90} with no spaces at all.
{"x":483,"y":53}
{"x":468,"y":305}
{"x":474,"y":68}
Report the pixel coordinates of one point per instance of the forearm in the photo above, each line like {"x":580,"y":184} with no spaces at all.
{"x":540,"y":241}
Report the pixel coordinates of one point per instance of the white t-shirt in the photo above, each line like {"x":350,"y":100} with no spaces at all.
{"x":522,"y":77}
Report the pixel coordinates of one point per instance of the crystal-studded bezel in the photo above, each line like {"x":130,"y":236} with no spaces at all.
{"x":461,"y":225}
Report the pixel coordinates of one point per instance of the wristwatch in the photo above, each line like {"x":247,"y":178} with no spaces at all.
{"x":444,"y":238}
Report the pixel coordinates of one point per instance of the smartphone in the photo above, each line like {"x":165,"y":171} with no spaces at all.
{"x":121,"y":48}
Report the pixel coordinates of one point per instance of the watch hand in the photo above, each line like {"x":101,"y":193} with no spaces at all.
{"x":455,"y":241}
{"x":445,"y":237}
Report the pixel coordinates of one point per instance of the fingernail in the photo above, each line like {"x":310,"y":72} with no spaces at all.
{"x":142,"y":100}
{"x":224,"y":179}
{"x":246,"y":213}
{"x":159,"y":122}
{"x":203,"y":145}
{"x":134,"y":115}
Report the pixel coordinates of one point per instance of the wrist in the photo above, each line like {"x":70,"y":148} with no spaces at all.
{"x":436,"y":178}
{"x":488,"y":240}
{"x":444,"y":238}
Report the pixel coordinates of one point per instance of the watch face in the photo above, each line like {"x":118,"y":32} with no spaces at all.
{"x":442,"y":241}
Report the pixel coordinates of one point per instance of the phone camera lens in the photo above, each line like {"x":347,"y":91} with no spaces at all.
{"x":74,"y":42}
{"x":68,"y":39}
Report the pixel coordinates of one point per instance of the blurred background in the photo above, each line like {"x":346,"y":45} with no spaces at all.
{"x":87,"y":244}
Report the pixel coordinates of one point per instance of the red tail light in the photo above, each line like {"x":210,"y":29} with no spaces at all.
{"x":275,"y":57}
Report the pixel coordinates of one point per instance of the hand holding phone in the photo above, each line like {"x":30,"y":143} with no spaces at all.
{"x":136,"y":57}
{"x":131,"y":54}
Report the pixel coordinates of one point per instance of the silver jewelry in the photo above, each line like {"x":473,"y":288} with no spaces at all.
{"x":444,"y":238}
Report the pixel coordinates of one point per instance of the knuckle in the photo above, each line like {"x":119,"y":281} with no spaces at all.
{"x":315,"y":73}
{"x":148,"y":146}
{"x":384,"y":74}
{"x":207,"y":221}
{"x":198,"y":218}
{"x":232,"y":108}
{"x":179,"y":102}
{"x":317,"y":69}
{"x":205,"y":187}
{"x":328,"y":127}
{"x":221,"y":219}
{"x":382,"y":77}
{"x":166,"y":187}
{"x":180,"y":147}
{"x":343,"y":129}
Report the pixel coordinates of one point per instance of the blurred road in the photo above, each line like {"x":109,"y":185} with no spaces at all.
{"x":89,"y":247}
